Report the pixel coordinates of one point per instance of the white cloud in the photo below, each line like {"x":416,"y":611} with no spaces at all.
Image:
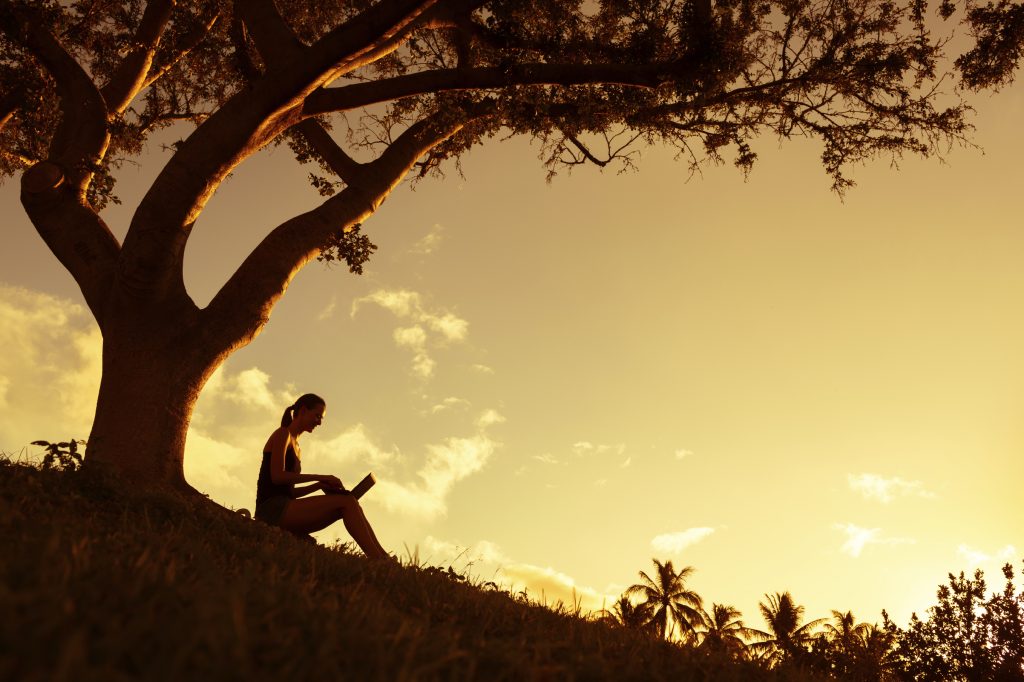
{"x":354,"y":444}
{"x":489,"y":418}
{"x":626,"y":463}
{"x":885,"y":490}
{"x":683,"y":453}
{"x":447,"y":463}
{"x":975,"y":558}
{"x":483,"y":369}
{"x":453,"y":328}
{"x":546,"y":459}
{"x":858,"y":538}
{"x":50,"y":368}
{"x":674,"y":543}
{"x":486,"y":561}
{"x":411,"y":337}
{"x":585,"y":448}
{"x":401,"y":303}
{"x":450,"y":403}
{"x":216,"y":467}
{"x":328,"y":311}
{"x":445,"y":326}
{"x":429,"y":243}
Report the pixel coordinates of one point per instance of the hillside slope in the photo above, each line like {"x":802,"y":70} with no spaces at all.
{"x":103,"y":584}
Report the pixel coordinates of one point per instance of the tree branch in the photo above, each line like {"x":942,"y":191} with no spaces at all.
{"x":190,"y":42}
{"x":154,"y":247}
{"x":130,"y":75}
{"x":75,"y":234}
{"x":482,"y":78}
{"x":276,"y":42}
{"x":242,"y":307}
{"x":53,"y":191}
{"x":81,"y":138}
{"x":343,"y":165}
{"x":9,"y":104}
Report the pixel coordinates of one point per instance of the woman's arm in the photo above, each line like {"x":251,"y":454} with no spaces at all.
{"x":280,"y":476}
{"x":298,"y":492}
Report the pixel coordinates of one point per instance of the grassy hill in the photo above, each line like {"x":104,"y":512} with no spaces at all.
{"x":100,"y":583}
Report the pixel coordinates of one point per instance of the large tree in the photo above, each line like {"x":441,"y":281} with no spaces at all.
{"x":371,"y":92}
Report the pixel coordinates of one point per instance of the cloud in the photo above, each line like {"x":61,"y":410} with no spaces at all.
{"x":430,"y":242}
{"x":674,"y":543}
{"x":218,"y":469}
{"x":444,"y":326}
{"x":858,"y":538}
{"x":545,"y":584}
{"x":411,"y":337}
{"x":453,"y":328}
{"x":626,"y":463}
{"x":885,"y":490}
{"x":49,"y":370}
{"x":683,"y":453}
{"x":585,"y":448}
{"x":447,"y":463}
{"x":328,"y":310}
{"x":354,"y":444}
{"x":976,"y":558}
{"x":450,"y":403}
{"x":483,"y":369}
{"x":489,"y":418}
{"x":546,"y":459}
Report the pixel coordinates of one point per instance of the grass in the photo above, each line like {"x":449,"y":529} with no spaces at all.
{"x":100,"y":583}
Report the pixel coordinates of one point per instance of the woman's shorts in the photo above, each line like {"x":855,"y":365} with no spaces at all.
{"x":271,"y":509}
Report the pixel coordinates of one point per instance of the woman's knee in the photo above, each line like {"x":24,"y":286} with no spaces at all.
{"x":347,"y":504}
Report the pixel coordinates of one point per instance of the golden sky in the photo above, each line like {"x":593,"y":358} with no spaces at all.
{"x":556,"y":383}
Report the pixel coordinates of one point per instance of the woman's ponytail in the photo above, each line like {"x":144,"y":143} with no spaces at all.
{"x":308,"y":401}
{"x":288,"y":415}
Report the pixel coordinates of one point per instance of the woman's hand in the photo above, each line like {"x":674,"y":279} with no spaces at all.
{"x":328,"y":481}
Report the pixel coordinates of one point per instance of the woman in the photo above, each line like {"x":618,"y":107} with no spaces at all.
{"x":280,"y":503}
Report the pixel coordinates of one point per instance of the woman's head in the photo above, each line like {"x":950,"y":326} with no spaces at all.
{"x":306,"y":413}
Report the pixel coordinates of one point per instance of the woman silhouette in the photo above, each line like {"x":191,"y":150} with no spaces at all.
{"x":280,"y":502}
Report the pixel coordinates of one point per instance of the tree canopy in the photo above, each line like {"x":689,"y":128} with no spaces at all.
{"x":371,"y":93}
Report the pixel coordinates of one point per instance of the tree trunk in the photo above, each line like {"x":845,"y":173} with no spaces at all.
{"x":153,"y":372}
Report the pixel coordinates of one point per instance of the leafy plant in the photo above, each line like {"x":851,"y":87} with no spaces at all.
{"x":62,"y":456}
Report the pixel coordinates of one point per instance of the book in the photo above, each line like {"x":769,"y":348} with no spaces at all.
{"x":368,"y":482}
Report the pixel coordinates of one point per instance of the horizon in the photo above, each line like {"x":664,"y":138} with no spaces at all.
{"x":811,"y":395}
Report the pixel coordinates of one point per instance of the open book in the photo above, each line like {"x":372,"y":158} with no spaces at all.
{"x":358,"y":491}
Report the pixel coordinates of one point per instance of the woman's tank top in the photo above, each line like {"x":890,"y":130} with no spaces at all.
{"x":265,"y":487}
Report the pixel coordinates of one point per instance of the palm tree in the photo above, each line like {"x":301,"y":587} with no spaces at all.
{"x":786,"y":637}
{"x":844,"y":632}
{"x":875,"y":661}
{"x":627,"y":614}
{"x":842,"y":643}
{"x":667,"y":600}
{"x":722,"y":630}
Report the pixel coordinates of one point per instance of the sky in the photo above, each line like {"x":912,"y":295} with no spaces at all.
{"x":556,"y":383}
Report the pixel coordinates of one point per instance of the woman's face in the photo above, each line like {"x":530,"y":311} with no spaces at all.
{"x":310,"y":418}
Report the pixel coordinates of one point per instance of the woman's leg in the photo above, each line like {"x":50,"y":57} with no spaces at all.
{"x":310,"y":514}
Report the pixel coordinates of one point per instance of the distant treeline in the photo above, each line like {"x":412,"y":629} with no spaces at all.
{"x":966,"y":636}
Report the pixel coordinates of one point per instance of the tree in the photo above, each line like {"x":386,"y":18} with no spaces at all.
{"x":965,"y":636}
{"x":787,"y":636}
{"x":413,"y":84}
{"x":667,"y":601}
{"x":723,"y":630}
{"x":848,"y":650}
{"x":627,"y":614}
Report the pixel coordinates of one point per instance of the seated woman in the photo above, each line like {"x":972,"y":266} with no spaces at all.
{"x":280,"y":503}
